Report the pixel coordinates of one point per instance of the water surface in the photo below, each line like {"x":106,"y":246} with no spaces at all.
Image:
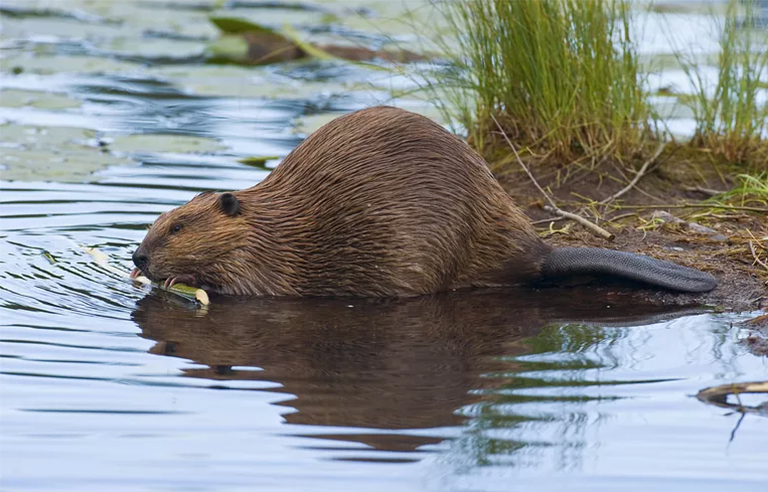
{"x":110,"y":117}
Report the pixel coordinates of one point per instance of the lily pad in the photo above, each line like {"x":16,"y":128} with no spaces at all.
{"x":165,"y":143}
{"x":233,"y":25}
{"x":13,"y":98}
{"x":248,"y":82}
{"x":308,"y":124}
{"x":58,"y":64}
{"x":258,"y":47}
{"x":228,"y":49}
{"x":52,"y":154}
{"x":258,"y":162}
{"x":308,"y":48}
{"x":156,"y":48}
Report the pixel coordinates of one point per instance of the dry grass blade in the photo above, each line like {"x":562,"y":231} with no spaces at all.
{"x":756,"y":256}
{"x":705,"y":191}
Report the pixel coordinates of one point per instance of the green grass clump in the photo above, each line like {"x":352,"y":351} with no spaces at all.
{"x":560,"y":76}
{"x":730,"y":119}
{"x":749,"y":190}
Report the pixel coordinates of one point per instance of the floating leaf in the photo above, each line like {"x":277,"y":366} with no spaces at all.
{"x":247,"y":43}
{"x":322,"y":54}
{"x":307,"y":48}
{"x":58,"y":154}
{"x":164,"y":143}
{"x":233,"y":49}
{"x":257,"y":161}
{"x":17,"y":98}
{"x":232,"y":25}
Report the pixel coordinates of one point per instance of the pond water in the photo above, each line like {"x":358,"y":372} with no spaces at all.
{"x":109,"y":117}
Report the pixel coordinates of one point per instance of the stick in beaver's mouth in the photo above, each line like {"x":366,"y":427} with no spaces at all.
{"x":178,"y":286}
{"x":169,"y":282}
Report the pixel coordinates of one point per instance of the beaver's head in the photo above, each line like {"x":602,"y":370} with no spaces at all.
{"x":197,"y":244}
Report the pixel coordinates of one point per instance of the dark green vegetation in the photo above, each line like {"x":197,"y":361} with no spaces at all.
{"x":563,"y":80}
{"x":561,"y":77}
{"x":732,"y":121}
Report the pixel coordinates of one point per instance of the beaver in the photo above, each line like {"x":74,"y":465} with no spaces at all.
{"x":381,"y":202}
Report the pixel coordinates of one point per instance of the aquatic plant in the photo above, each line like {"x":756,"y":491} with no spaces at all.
{"x":731,"y":119}
{"x":561,"y":76}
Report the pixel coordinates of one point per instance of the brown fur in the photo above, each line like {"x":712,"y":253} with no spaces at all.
{"x":381,"y":202}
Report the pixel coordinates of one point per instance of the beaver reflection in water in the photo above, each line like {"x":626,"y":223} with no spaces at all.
{"x":378,"y":203}
{"x":395,"y":363}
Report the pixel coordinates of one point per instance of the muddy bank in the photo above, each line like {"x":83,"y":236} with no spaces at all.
{"x":666,"y":215}
{"x":740,"y":286}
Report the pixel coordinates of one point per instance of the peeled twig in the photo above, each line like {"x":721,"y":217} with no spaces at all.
{"x":552,"y":208}
{"x":186,"y":291}
{"x":717,"y":395}
{"x":581,"y":220}
{"x":637,"y":177}
{"x":706,"y":191}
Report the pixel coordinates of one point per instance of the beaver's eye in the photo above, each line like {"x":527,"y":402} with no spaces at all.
{"x":176,"y":228}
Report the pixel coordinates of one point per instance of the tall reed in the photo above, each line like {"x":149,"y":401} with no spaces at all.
{"x":560,"y":76}
{"x":731,"y":118}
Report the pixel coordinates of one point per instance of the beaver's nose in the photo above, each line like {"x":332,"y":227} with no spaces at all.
{"x":140,"y":259}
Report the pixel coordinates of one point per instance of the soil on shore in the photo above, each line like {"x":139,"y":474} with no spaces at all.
{"x":652,"y":219}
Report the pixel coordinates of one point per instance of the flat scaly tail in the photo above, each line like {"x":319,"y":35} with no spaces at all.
{"x":569,"y":262}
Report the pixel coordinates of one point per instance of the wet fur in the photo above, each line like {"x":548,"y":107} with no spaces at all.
{"x":380,"y":202}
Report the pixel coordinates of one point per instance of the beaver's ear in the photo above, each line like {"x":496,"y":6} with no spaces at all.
{"x":229,"y":204}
